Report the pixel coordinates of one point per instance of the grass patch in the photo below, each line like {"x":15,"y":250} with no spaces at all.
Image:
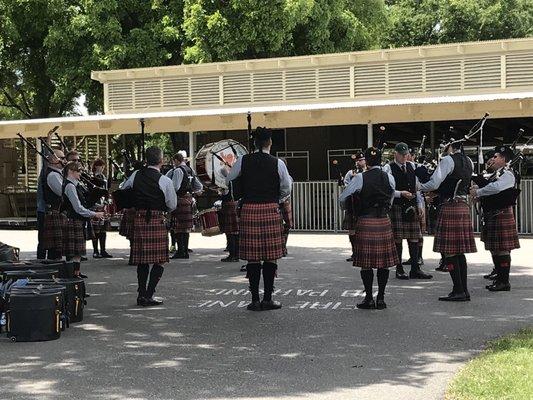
{"x":503,"y":371}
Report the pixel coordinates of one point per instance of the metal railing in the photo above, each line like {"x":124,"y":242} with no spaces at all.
{"x":316,"y":207}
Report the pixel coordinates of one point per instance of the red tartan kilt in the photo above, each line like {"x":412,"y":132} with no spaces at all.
{"x":182,"y":220}
{"x":404,"y":230}
{"x":260,"y":232}
{"x":99,"y":226}
{"x":453,"y":232}
{"x":229,"y":221}
{"x":53,"y":231}
{"x":74,"y":238}
{"x":286,"y":213}
{"x":499,"y":231}
{"x":126,"y":223}
{"x":375,"y":247}
{"x":149,"y":242}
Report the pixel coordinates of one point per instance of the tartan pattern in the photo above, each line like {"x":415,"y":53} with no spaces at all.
{"x":53,"y":231}
{"x":99,"y":226}
{"x":453,"y":232}
{"x":260,"y":232}
{"x":229,"y":221}
{"x":375,"y":243}
{"x":402,"y":229}
{"x":126,"y":223}
{"x":74,"y":238}
{"x":149,"y":242}
{"x":499,"y":231}
{"x":182,"y":221}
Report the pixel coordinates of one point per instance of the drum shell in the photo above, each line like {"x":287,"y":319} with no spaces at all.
{"x":30,"y":273}
{"x":34,"y":316}
{"x":209,"y":222}
{"x":75,"y":297}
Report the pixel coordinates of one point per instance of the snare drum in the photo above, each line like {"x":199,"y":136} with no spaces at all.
{"x":209,"y":221}
{"x":211,"y":159}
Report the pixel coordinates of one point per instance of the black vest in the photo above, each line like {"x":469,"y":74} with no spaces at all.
{"x":462,"y":170}
{"x":376,"y":193}
{"x":66,"y":205}
{"x":404,"y":181}
{"x":51,"y":199}
{"x":260,"y":178}
{"x":501,"y":200}
{"x":146,"y":191}
{"x":186,"y":182}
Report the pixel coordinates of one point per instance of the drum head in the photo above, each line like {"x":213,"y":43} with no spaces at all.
{"x":210,"y":161}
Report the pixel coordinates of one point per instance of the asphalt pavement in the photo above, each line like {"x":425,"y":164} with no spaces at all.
{"x":204,"y":344}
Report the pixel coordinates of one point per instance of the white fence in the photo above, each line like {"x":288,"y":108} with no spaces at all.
{"x":316,"y":207}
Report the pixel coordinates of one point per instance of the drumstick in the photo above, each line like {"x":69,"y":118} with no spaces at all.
{"x":220,"y":159}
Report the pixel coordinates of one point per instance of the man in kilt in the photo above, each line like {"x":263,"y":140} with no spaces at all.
{"x":99,"y":226}
{"x":185,"y":183}
{"x":405,"y":215}
{"x":229,"y":223}
{"x":265,"y":181}
{"x":349,"y":221}
{"x":76,"y":215}
{"x":53,"y":219}
{"x":375,"y":241}
{"x":153,"y":195}
{"x":454,"y":234}
{"x":499,"y":227}
{"x":286,"y":213}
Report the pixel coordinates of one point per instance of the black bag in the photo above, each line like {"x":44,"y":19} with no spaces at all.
{"x":9,"y":253}
{"x":29,"y":274}
{"x":75,"y":297}
{"x":34,"y":316}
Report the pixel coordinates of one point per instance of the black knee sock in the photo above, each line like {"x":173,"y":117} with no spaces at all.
{"x":399,"y":248}
{"x":180,"y":242}
{"x":505,"y":268}
{"x":102,"y":240}
{"x":253,"y":273}
{"x":172,"y":238}
{"x":236,"y":245}
{"x":95,"y":245}
{"x":413,"y":254}
{"x":186,"y":243}
{"x":76,"y":268}
{"x":463,"y":271}
{"x":383,"y":277}
{"x":142,"y":278}
{"x":352,"y":242}
{"x":367,"y":275}
{"x":155,"y":275}
{"x":454,"y":268}
{"x":269,"y":274}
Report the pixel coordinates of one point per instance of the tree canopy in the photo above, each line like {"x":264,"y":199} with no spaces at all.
{"x":49,"y":47}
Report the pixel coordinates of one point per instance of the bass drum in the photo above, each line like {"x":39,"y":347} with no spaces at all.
{"x":210,"y":161}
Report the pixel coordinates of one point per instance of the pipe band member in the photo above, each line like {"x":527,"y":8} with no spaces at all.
{"x":73,"y":206}
{"x":454,"y":235}
{"x":375,"y":241}
{"x":153,"y":195}
{"x":185,"y":184}
{"x":99,"y":226}
{"x":499,"y":231}
{"x":53,"y":219}
{"x":229,"y":222}
{"x":349,"y":220}
{"x":405,"y":215}
{"x":265,"y":181}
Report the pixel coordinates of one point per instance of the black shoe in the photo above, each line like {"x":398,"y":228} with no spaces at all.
{"x":270,"y":305}
{"x":400,"y":273}
{"x":179,"y":256}
{"x":442,"y":268}
{"x":87,"y":294}
{"x":420,"y":261}
{"x":83,"y":276}
{"x":230,"y":259}
{"x":455,"y":297}
{"x":408,"y":262}
{"x":499,"y":287}
{"x":105,"y":254}
{"x":380,"y":304}
{"x":97,"y":255}
{"x":83,"y":259}
{"x":243,"y":268}
{"x":149,"y":302}
{"x":419,"y":275}
{"x":190,"y":251}
{"x":254,"y":306}
{"x":492,"y":276}
{"x":367,"y":304}
{"x":140,"y":300}
{"x":350,"y":259}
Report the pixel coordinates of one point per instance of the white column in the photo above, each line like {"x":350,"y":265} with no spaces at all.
{"x":192,"y":148}
{"x":369,"y":134}
{"x":38,"y":157}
